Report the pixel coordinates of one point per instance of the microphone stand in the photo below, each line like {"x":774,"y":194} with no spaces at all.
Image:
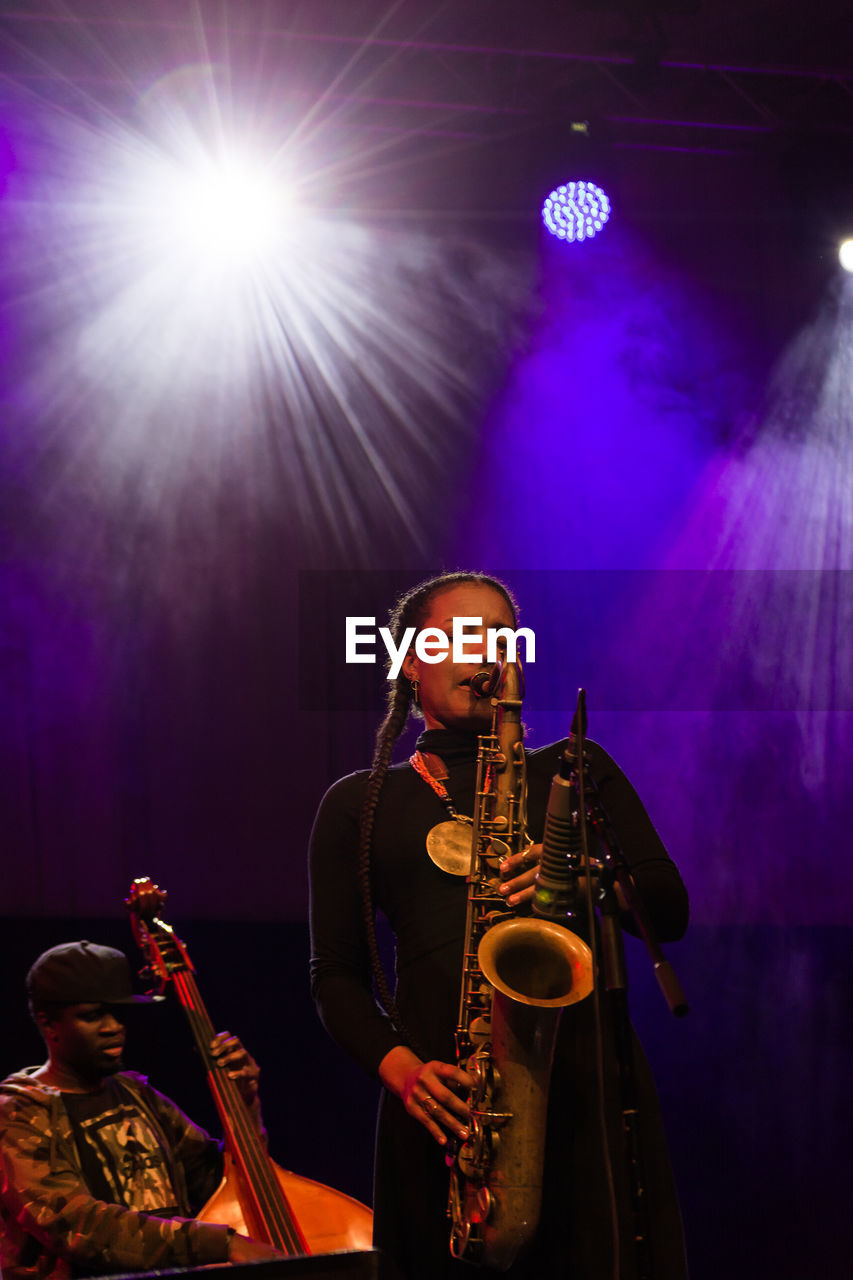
{"x":615,"y":872}
{"x":615,"y":862}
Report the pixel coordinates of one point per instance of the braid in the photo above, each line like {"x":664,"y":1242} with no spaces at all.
{"x":389,"y":732}
{"x":410,"y":610}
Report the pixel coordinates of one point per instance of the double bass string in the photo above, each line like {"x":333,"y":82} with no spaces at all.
{"x":276,"y":1216}
{"x":272,"y":1206}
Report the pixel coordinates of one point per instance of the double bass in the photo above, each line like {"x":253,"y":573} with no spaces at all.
{"x":294,"y":1214}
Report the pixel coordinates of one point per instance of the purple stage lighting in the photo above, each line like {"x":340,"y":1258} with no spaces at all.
{"x":7,"y":161}
{"x":576,"y":211}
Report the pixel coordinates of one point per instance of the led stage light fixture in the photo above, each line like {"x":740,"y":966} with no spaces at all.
{"x":576,"y":211}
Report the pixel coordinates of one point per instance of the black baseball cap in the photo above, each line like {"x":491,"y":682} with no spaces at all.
{"x":80,"y":972}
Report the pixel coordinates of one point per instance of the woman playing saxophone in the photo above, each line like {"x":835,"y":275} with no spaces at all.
{"x":392,"y":840}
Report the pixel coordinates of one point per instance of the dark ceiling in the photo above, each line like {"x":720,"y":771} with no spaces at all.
{"x":696,"y":75}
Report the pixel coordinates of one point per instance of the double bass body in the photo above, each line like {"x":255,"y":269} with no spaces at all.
{"x":329,"y":1220}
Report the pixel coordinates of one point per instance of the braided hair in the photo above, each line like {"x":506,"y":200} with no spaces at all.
{"x":410,"y":611}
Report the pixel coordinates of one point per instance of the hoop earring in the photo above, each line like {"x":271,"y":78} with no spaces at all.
{"x":416,"y":691}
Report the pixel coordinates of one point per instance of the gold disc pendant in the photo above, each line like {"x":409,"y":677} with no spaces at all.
{"x":449,"y":846}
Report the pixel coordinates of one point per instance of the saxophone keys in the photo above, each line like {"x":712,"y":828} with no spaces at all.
{"x":478,"y":1034}
{"x":470,"y":1157}
{"x":495,"y":1119}
{"x":485,"y":1201}
{"x":462,"y":1245}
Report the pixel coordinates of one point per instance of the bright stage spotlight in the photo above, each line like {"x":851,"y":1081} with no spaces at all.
{"x":228,"y":209}
{"x":224,"y":211}
{"x":845,"y":254}
{"x":575,"y":211}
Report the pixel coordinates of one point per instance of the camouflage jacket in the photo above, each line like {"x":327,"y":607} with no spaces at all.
{"x":52,"y":1226}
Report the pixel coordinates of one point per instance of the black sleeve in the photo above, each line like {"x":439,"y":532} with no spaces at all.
{"x":341,"y":982}
{"x":655,"y":874}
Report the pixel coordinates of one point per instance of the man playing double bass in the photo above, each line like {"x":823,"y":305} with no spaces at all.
{"x":98,"y":1171}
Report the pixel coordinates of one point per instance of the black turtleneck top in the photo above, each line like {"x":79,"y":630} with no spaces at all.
{"x":424,"y":905}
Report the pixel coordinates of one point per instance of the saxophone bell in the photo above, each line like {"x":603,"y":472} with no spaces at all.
{"x":536,"y":962}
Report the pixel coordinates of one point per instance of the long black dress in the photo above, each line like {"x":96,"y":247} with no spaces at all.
{"x":426,"y":910}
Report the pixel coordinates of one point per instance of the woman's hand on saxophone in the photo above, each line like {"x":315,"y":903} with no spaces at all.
{"x":429,"y":1091}
{"x":519,"y":872}
{"x":518,"y":875}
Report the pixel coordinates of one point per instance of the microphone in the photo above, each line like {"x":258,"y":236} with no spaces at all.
{"x":577,"y":733}
{"x":556,"y":891}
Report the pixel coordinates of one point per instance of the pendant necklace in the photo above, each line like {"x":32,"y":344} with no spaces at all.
{"x":448,"y":843}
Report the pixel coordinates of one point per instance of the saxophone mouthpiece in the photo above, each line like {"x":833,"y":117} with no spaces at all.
{"x":486,"y":682}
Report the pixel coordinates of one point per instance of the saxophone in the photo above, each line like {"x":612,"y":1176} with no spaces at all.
{"x":517,"y":975}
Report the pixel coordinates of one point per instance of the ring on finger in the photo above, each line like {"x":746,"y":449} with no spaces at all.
{"x":428,"y":1105}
